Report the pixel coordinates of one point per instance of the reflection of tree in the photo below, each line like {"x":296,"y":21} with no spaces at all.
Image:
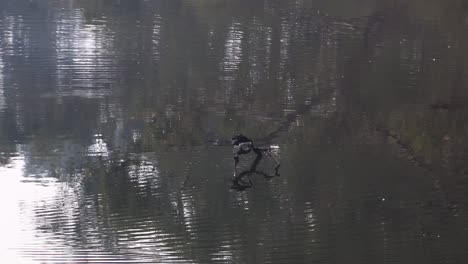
{"x":157,"y":80}
{"x":407,"y":78}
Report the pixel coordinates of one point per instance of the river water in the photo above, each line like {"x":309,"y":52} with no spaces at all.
{"x":116,"y":119}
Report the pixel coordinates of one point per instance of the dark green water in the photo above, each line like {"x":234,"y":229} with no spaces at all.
{"x":116,"y":116}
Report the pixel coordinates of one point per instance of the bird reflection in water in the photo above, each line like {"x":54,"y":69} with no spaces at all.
{"x":243,"y":145}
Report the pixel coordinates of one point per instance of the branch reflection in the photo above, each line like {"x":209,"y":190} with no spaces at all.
{"x":242,"y":180}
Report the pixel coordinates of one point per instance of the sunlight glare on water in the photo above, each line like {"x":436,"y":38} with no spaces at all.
{"x":18,"y":198}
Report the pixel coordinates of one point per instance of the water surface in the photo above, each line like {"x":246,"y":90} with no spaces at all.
{"x":116,"y":116}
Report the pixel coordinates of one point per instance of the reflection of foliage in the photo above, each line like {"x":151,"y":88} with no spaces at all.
{"x":413,"y":85}
{"x":188,"y":73}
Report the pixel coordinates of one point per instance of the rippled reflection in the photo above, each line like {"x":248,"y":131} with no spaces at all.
{"x":85,"y":58}
{"x":99,"y":147}
{"x":35,"y":206}
{"x":2,"y":89}
{"x":233,"y":48}
{"x":115,"y":120}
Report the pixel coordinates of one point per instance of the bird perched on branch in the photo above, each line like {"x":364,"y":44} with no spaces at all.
{"x":244,"y":145}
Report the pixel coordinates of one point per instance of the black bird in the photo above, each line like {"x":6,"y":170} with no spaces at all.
{"x":244,"y":145}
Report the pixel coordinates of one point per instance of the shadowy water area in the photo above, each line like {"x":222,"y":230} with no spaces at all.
{"x":116,"y":119}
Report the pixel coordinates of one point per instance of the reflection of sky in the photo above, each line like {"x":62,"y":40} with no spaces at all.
{"x":145,"y":172}
{"x":232,"y":55}
{"x":39,"y":219}
{"x":233,"y":48}
{"x":98,"y":148}
{"x":259,"y":51}
{"x":2,"y":93}
{"x":17,"y":224}
{"x":10,"y":29}
{"x":41,"y":216}
{"x":6,"y":47}
{"x":285,"y":39}
{"x":85,"y":61}
{"x":156,"y":37}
